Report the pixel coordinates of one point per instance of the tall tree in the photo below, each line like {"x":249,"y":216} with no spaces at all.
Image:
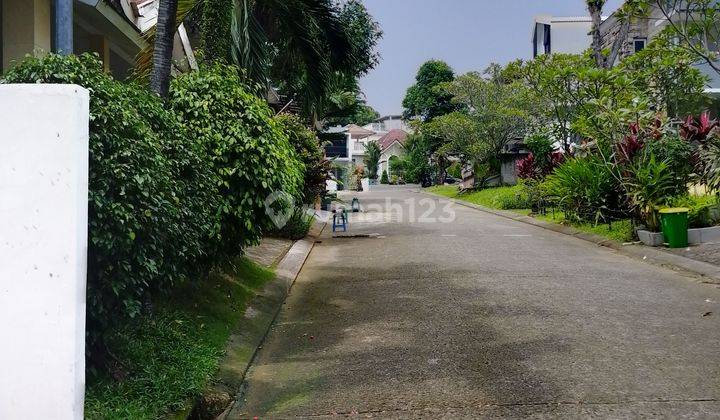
{"x":162,"y":53}
{"x":372,"y":159}
{"x":427,"y":99}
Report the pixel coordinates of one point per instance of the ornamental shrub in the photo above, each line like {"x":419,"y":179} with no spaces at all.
{"x":584,"y":189}
{"x":249,"y":153}
{"x":384,"y":178}
{"x":151,"y":198}
{"x":307,"y":146}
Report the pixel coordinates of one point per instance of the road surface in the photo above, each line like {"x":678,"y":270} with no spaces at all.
{"x":480,"y":316}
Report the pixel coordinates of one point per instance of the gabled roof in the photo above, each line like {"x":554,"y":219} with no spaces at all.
{"x":391,"y":137}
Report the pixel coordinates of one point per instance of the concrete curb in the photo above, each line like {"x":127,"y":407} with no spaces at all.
{"x":704,"y":272}
{"x":243,"y":346}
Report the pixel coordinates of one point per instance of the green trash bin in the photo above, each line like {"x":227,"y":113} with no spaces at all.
{"x":674,"y":223}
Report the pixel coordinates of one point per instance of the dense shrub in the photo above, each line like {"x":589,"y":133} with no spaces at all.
{"x":307,"y":146}
{"x":297,"y":227}
{"x":249,"y":152}
{"x":584,"y":188}
{"x":650,"y":185}
{"x":384,"y":178}
{"x":151,"y":198}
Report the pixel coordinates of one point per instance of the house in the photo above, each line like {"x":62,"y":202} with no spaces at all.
{"x":346,"y":145}
{"x":392,"y":146}
{"x":113,"y":29}
{"x":554,"y":34}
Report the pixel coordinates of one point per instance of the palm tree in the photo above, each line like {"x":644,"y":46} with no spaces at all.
{"x":162,"y":52}
{"x":300,"y":42}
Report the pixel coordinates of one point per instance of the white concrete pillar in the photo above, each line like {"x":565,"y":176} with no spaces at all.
{"x":43,"y":250}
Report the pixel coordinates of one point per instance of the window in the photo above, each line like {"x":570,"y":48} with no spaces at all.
{"x":547,"y":40}
{"x":639,"y":44}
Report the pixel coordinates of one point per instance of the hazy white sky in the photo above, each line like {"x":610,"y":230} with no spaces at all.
{"x":467,"y":34}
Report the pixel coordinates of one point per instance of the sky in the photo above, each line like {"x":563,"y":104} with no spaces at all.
{"x":467,"y":34}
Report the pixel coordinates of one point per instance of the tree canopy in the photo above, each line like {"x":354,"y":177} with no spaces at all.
{"x":427,"y":98}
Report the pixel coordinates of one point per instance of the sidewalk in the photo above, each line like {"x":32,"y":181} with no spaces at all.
{"x":269,"y":252}
{"x":709,"y":253}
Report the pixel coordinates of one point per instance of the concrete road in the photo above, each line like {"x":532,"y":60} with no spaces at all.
{"x":434,"y":316}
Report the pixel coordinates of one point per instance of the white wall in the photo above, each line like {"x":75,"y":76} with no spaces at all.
{"x":43,"y":250}
{"x":570,"y":37}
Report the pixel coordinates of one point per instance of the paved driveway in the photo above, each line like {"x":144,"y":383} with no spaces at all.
{"x":478,"y":315}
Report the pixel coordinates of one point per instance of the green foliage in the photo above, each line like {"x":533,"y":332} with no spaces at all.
{"x":384,"y":178}
{"x":667,"y":75}
{"x":678,"y":154}
{"x":249,"y":152}
{"x":584,"y":189}
{"x":496,"y":112}
{"x":415,"y":161}
{"x":308,"y":49}
{"x":297,"y":227}
{"x":357,"y":112}
{"x":540,"y":145}
{"x":215,"y":29}
{"x":554,"y":79}
{"x":704,"y":210}
{"x":311,"y":154}
{"x":166,"y":359}
{"x":364,"y":34}
{"x":427,"y":99}
{"x":152,"y":197}
{"x":455,"y":170}
{"x":372,"y":158}
{"x":651,"y":185}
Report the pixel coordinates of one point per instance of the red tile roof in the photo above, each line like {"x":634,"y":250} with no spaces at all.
{"x":391,"y":137}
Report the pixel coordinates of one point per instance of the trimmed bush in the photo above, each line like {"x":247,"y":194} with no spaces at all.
{"x":150,"y":197}
{"x":307,"y":147}
{"x":250,"y":154}
{"x":171,"y":190}
{"x":384,"y":178}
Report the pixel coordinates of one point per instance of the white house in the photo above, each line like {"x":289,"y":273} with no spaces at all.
{"x":555,"y":34}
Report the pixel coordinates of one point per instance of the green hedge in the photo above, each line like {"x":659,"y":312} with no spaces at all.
{"x":247,"y":148}
{"x":171,"y":189}
{"x":307,"y":146}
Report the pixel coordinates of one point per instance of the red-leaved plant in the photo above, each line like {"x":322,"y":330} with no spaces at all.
{"x":630,"y":145}
{"x":531,"y":168}
{"x":698,"y":130}
{"x":526,"y":167}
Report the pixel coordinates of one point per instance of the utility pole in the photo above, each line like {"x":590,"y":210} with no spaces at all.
{"x":62,"y":28}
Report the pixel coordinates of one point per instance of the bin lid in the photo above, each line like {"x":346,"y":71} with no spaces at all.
{"x":674,"y":210}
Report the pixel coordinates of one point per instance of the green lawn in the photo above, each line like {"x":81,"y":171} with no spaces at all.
{"x":503,"y":198}
{"x":167,"y":359}
{"x":511,"y":198}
